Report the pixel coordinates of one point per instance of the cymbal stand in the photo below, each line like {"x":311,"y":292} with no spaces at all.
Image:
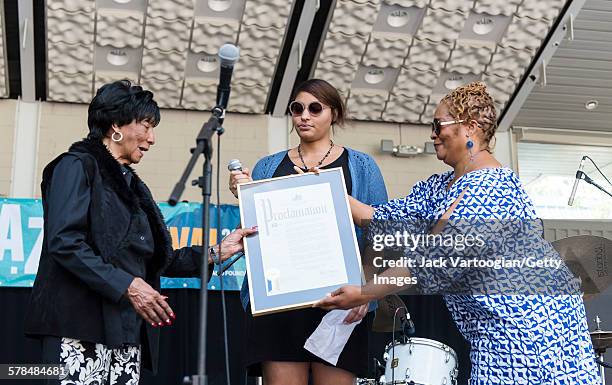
{"x":600,"y":354}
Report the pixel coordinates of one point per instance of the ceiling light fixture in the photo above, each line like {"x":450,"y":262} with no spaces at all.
{"x":483,"y":26}
{"x":401,"y":150}
{"x":207,"y":63}
{"x":117,"y":57}
{"x":122,"y":1}
{"x":591,"y":105}
{"x":219,"y":5}
{"x":453,"y":82}
{"x":398,"y":18}
{"x":374,"y":76}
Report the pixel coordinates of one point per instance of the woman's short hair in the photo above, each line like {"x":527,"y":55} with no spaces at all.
{"x":326,"y":94}
{"x":120,"y":103}
{"x":473,"y":102}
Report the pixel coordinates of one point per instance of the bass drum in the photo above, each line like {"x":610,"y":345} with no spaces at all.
{"x":420,"y":361}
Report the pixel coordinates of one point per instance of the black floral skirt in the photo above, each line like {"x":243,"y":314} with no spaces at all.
{"x":90,"y":363}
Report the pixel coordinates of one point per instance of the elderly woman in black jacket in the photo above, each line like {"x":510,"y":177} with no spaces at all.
{"x":96,"y":302}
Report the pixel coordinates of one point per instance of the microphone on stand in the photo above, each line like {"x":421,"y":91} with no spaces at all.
{"x":579,"y":176}
{"x":228,"y":56}
{"x":407,"y":325}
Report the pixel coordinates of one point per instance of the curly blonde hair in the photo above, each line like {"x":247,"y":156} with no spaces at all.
{"x":472,"y":102}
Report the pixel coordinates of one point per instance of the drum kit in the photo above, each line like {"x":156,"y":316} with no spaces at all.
{"x":420,"y":361}
{"x":602,"y":340}
{"x":589,"y":258}
{"x":410,"y":360}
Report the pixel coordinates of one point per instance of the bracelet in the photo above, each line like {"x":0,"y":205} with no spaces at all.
{"x":213,"y":255}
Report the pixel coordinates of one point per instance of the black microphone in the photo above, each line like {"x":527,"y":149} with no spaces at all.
{"x":579,"y":176}
{"x":228,"y":56}
{"x":225,"y":267}
{"x":407,"y":325}
{"x":234,"y":165}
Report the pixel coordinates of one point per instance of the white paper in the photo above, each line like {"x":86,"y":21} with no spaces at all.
{"x":330,"y":337}
{"x":299,"y":239}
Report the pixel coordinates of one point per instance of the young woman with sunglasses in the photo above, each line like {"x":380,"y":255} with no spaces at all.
{"x":275,"y":343}
{"x":518,"y":335}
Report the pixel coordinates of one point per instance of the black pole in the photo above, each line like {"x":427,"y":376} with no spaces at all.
{"x":204,"y":147}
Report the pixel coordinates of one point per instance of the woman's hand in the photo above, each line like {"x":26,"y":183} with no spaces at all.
{"x":234,"y":243}
{"x":362,"y":213}
{"x":149,"y":304}
{"x":237,"y":177}
{"x":346,"y":297}
{"x":312,"y":169}
{"x":356,"y":314}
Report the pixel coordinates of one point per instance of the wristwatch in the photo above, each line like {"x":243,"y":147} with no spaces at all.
{"x":213,"y":255}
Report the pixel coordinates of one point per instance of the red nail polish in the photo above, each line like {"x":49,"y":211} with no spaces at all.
{"x":160,"y":324}
{"x":153,"y":324}
{"x":173,"y":315}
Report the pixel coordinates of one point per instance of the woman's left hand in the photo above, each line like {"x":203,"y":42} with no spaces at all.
{"x":356,"y":314}
{"x":315,"y":170}
{"x":233,"y":243}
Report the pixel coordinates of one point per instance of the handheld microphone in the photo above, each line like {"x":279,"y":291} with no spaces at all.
{"x":579,"y":174}
{"x":228,"y":56}
{"x":234,"y":165}
{"x":225,"y":267}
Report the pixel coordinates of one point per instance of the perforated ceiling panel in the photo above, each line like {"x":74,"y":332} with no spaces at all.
{"x":395,"y":59}
{"x":168,"y":46}
{"x":392,"y":59}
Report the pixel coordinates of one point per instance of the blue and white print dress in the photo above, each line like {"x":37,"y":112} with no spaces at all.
{"x":515,"y":339}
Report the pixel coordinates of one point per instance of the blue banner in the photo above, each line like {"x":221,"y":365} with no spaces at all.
{"x":21,"y":235}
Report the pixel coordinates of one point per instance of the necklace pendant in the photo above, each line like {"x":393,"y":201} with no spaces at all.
{"x":331,"y":146}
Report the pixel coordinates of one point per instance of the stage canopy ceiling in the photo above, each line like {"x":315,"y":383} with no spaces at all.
{"x":391,"y":59}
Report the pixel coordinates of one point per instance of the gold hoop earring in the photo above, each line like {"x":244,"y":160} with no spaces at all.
{"x":120,"y":137}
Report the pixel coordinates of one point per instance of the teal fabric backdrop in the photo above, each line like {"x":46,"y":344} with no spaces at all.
{"x":21,"y":235}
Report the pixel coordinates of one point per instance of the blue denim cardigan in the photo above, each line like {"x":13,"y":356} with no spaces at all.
{"x":368,"y":187}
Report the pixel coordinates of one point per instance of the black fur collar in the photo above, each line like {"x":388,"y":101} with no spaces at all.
{"x":110,"y":170}
{"x":138,"y":197}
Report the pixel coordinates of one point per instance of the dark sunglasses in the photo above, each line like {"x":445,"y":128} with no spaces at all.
{"x":436,"y":125}
{"x":297,"y":108}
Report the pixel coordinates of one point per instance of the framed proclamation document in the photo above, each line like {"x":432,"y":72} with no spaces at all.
{"x":306,"y":245}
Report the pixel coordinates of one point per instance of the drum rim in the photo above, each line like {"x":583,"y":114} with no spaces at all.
{"x":425,"y":341}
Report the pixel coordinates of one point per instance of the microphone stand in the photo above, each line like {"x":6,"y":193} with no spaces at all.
{"x":586,"y":178}
{"x":203,"y":147}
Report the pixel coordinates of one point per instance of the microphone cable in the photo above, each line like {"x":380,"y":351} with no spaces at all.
{"x":219,"y":272}
{"x":603,"y":363}
{"x":594,"y":164}
{"x":406,"y":314}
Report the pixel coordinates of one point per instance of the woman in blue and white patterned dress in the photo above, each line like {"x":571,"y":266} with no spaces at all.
{"x":515,"y":338}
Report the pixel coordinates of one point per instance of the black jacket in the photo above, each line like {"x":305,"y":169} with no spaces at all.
{"x":77,"y":291}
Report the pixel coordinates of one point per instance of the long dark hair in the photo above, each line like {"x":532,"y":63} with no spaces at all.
{"x":328,"y":95}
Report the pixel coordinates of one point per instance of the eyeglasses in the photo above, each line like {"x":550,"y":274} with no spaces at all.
{"x":436,"y":125}
{"x":297,"y":108}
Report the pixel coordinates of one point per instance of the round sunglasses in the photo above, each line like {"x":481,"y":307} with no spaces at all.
{"x":437,"y":124}
{"x":314,"y":108}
